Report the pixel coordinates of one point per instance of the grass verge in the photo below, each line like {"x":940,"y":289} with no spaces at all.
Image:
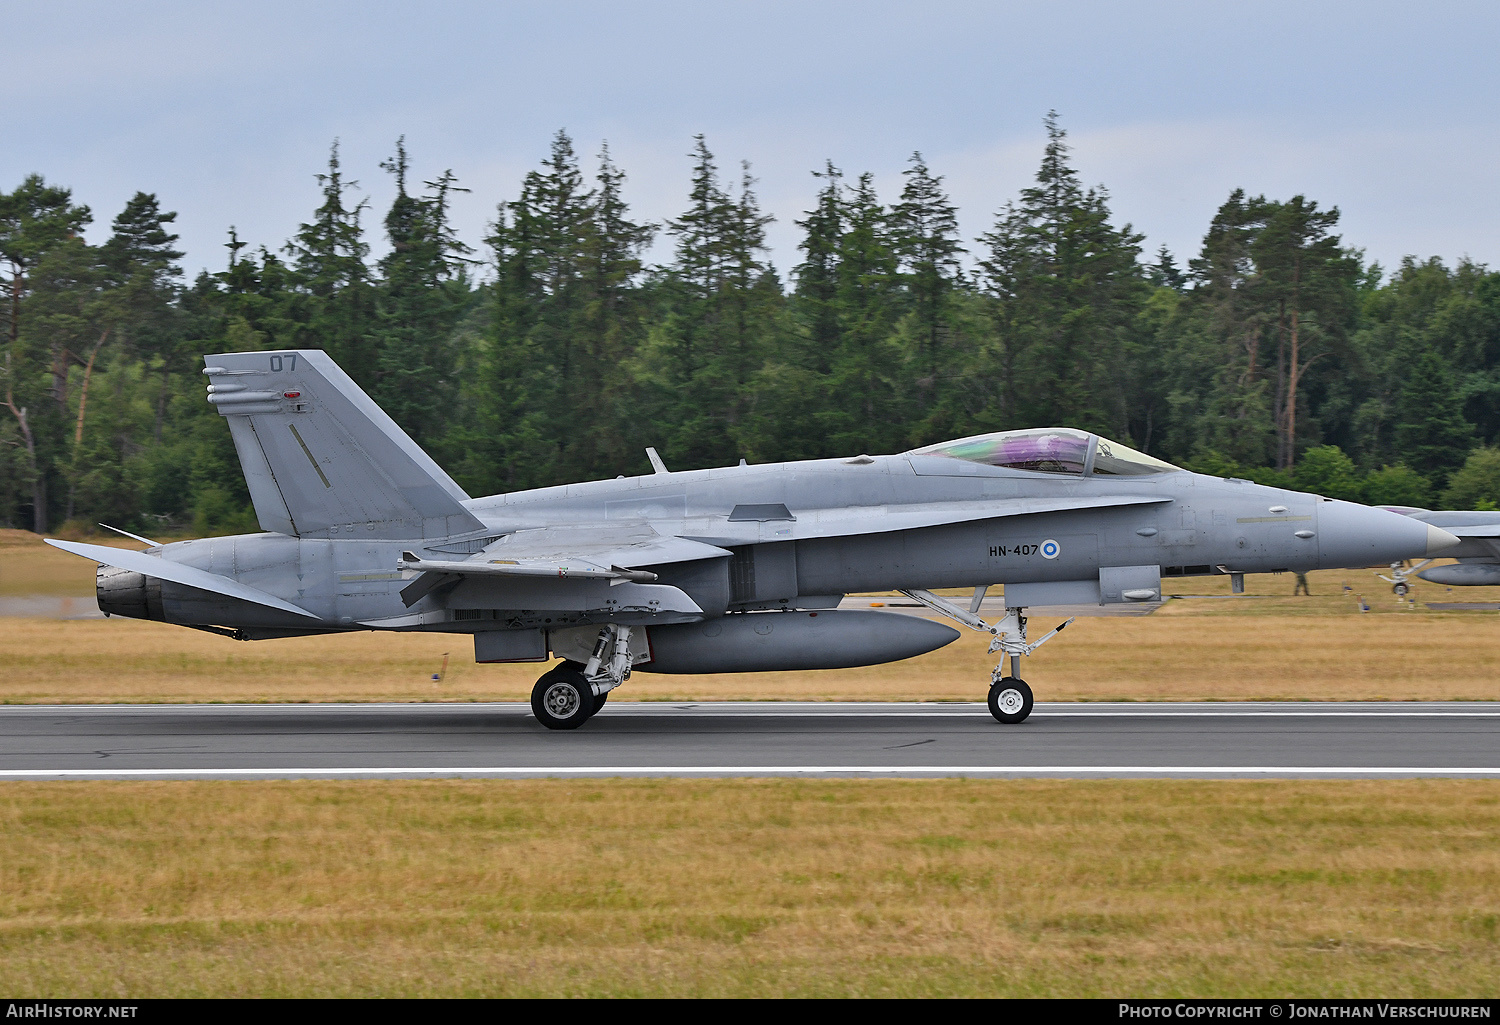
{"x":1165,"y":657}
{"x":751,"y":887}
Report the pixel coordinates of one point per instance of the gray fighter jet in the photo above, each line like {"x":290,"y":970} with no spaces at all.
{"x":734,"y":569}
{"x":1478,"y":556}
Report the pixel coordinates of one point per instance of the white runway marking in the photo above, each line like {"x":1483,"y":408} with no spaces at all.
{"x":833,"y":710}
{"x":756,"y":770}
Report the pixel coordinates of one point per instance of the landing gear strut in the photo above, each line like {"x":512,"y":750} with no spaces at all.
{"x":1010,"y":698}
{"x":1400,"y":572}
{"x":569,"y":694}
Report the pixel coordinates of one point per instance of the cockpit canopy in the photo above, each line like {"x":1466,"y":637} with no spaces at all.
{"x":1050,"y":450}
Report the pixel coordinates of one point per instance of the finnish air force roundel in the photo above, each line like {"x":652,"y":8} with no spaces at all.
{"x":1050,"y":549}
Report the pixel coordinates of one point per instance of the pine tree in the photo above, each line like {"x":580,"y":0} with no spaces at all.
{"x":750,"y":283}
{"x":608,"y":322}
{"x":1306,"y":289}
{"x":144,"y":281}
{"x":866,"y":379}
{"x":566,"y":320}
{"x":1066,"y":288}
{"x":610,"y":261}
{"x":1236,"y":418}
{"x":329,"y":255}
{"x":423,"y":291}
{"x":1432,"y":436}
{"x":816,"y":277}
{"x":50,"y":273}
{"x":699,"y":268}
{"x":1165,"y":273}
{"x":716,"y":293}
{"x":925,"y":231}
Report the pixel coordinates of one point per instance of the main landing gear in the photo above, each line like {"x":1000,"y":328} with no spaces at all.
{"x":569,"y":694}
{"x":1010,"y":697}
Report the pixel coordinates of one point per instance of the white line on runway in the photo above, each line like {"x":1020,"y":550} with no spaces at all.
{"x":1109,"y":715}
{"x":735,"y":710}
{"x":761,"y":770}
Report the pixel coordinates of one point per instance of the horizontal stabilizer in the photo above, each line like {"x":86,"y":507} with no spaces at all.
{"x":151,"y":566}
{"x":321,"y":459}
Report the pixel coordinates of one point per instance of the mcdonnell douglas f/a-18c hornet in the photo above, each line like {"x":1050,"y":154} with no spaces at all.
{"x":736,"y":569}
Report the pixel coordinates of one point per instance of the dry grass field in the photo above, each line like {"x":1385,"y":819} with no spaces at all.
{"x":27,"y":566}
{"x":751,"y":887}
{"x":1167,"y":657}
{"x":1264,"y":645}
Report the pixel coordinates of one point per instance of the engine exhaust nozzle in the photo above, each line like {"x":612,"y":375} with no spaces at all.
{"x":123,"y":592}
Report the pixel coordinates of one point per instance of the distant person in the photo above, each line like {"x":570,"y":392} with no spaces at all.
{"x":1301,"y":587}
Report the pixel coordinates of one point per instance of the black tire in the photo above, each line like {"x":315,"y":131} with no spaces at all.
{"x":562,"y":699}
{"x":577,"y":667}
{"x":1401,"y":589}
{"x":1010,"y":700}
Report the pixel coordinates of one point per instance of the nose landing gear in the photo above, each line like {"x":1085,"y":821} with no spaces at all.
{"x":1010,"y":698}
{"x":1400,"y":573}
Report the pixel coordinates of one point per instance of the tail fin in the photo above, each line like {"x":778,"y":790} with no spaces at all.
{"x":321,"y":458}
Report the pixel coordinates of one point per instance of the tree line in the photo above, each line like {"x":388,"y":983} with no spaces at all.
{"x":556,"y":352}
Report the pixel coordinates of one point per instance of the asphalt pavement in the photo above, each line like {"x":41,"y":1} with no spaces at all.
{"x":1208,"y":740}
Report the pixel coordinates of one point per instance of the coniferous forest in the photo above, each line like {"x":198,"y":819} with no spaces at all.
{"x":556,"y":352}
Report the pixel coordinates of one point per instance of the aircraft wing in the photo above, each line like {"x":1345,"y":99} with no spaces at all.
{"x":1475,"y":530}
{"x":1478,"y":529}
{"x":602,"y":544}
{"x":603,"y":551}
{"x":151,"y":566}
{"x":1471,"y":523}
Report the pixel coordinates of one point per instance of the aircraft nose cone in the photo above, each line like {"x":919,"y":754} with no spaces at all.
{"x":1352,"y":536}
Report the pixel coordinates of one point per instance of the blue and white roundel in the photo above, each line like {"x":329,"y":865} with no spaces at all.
{"x":1050,"y":549}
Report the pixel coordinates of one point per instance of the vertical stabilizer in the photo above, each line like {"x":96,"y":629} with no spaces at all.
{"x":321,"y":458}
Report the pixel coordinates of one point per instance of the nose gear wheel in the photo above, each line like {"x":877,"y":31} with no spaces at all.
{"x":1010,"y":700}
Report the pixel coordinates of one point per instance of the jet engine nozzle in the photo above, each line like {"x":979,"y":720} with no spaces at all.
{"x":1352,"y":536}
{"x":122,"y":592}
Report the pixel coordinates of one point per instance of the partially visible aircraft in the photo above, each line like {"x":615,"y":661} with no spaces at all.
{"x":732,"y":569}
{"x":1478,"y":555}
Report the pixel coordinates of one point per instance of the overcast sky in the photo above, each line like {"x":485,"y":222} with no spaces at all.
{"x":226,"y":110}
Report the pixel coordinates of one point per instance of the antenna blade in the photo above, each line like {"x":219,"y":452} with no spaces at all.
{"x":134,"y":537}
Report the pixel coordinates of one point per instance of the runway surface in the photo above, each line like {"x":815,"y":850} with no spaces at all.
{"x":1249,"y":740}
